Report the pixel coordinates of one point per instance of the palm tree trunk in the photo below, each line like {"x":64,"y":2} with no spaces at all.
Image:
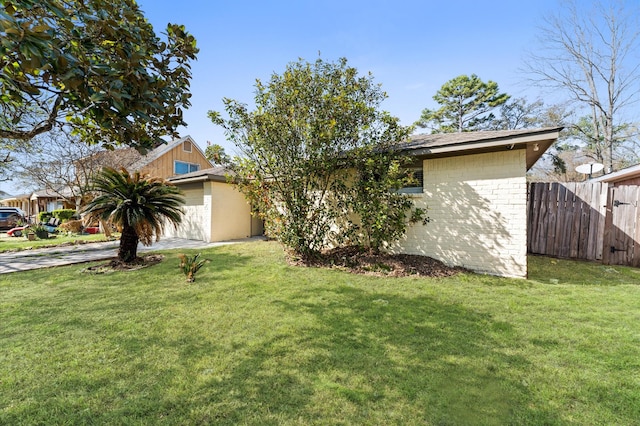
{"x":128,"y":251}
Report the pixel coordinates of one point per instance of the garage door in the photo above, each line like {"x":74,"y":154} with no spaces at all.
{"x":193,"y":226}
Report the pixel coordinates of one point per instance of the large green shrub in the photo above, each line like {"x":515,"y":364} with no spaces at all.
{"x":44,"y":216}
{"x":318,"y":128}
{"x":63,"y":214}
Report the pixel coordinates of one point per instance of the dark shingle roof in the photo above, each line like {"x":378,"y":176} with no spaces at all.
{"x":438,"y":140}
{"x":218,"y":173}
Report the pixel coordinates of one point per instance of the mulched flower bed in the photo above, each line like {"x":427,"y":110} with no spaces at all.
{"x":358,"y":261}
{"x":117,"y":265}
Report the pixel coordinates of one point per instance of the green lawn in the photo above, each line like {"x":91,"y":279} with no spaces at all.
{"x":21,"y":243}
{"x":254,"y":341}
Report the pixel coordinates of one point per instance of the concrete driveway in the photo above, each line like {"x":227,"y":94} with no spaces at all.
{"x":56,"y":256}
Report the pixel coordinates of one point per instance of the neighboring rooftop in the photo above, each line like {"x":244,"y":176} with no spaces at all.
{"x":535,"y":141}
{"x":627,"y":173}
{"x":158,"y":152}
{"x":218,"y":173}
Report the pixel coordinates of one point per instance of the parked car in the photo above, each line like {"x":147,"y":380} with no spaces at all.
{"x":10,"y":217}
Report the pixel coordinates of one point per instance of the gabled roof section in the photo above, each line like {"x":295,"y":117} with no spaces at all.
{"x":50,"y":193}
{"x":118,"y":157}
{"x":629,"y":172}
{"x":217,"y":174}
{"x":535,"y":141}
{"x":158,"y":152}
{"x":19,"y":197}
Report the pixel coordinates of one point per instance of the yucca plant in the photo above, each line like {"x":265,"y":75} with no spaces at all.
{"x":191,"y":265}
{"x":140,"y":205}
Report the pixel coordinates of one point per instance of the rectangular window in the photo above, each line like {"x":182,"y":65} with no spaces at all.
{"x":54,"y":205}
{"x":417,"y":183}
{"x":180,"y":167}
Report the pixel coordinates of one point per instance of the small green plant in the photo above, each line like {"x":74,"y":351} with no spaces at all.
{"x":191,"y":265}
{"x":40,"y":231}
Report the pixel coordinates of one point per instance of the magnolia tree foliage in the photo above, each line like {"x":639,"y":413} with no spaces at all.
{"x":96,"y":66}
{"x":466,"y":104}
{"x":316,"y":152}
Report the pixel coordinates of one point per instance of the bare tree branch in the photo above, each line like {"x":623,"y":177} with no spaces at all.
{"x":589,"y":54}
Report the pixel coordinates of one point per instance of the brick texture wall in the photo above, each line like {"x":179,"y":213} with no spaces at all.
{"x":477,"y":206}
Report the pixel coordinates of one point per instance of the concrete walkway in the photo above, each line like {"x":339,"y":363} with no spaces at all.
{"x":56,"y":256}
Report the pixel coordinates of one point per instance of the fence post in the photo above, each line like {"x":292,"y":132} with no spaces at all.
{"x":608,"y":228}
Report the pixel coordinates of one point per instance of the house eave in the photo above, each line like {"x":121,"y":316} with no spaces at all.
{"x":535,"y":144}
{"x":177,"y":180}
{"x":623,"y":174}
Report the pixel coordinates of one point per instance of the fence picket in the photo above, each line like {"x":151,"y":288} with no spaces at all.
{"x":573,"y":220}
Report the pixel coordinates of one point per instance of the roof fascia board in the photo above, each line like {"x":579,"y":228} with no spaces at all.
{"x":619,"y":175}
{"x":201,"y":178}
{"x":483,"y":145}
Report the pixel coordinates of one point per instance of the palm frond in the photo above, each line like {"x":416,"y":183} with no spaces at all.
{"x":137,"y":201}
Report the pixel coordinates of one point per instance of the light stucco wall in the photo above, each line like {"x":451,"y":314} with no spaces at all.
{"x":477,"y":206}
{"x":230,"y":213}
{"x":214,"y":211}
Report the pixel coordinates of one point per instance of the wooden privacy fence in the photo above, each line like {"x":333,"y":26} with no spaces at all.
{"x":589,"y":221}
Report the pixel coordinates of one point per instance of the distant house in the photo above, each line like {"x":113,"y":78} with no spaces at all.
{"x":178,"y":157}
{"x":21,"y":201}
{"x":48,"y":200}
{"x":628,"y":176}
{"x":33,"y":203}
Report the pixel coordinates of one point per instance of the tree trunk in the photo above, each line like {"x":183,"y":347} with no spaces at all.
{"x":128,"y":251}
{"x":106,"y":228}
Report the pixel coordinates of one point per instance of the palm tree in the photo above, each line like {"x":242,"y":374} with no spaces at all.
{"x":139,"y":204}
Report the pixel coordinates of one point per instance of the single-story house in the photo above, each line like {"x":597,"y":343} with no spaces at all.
{"x":179,"y":156}
{"x":214,"y":209}
{"x":475,"y":190}
{"x":44,"y":200}
{"x":627,"y":176}
{"x":21,"y":201}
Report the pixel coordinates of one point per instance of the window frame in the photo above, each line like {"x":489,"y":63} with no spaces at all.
{"x":191,"y":167}
{"x":419,"y":175}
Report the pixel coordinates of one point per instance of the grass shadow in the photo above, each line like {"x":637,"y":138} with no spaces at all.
{"x":367,"y":354}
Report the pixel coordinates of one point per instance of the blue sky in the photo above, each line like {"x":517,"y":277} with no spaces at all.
{"x":410,"y":47}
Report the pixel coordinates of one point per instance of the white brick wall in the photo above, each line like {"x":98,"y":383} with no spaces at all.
{"x":477,"y":206}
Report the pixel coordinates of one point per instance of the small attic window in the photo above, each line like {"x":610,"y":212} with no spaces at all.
{"x":186,"y":146}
